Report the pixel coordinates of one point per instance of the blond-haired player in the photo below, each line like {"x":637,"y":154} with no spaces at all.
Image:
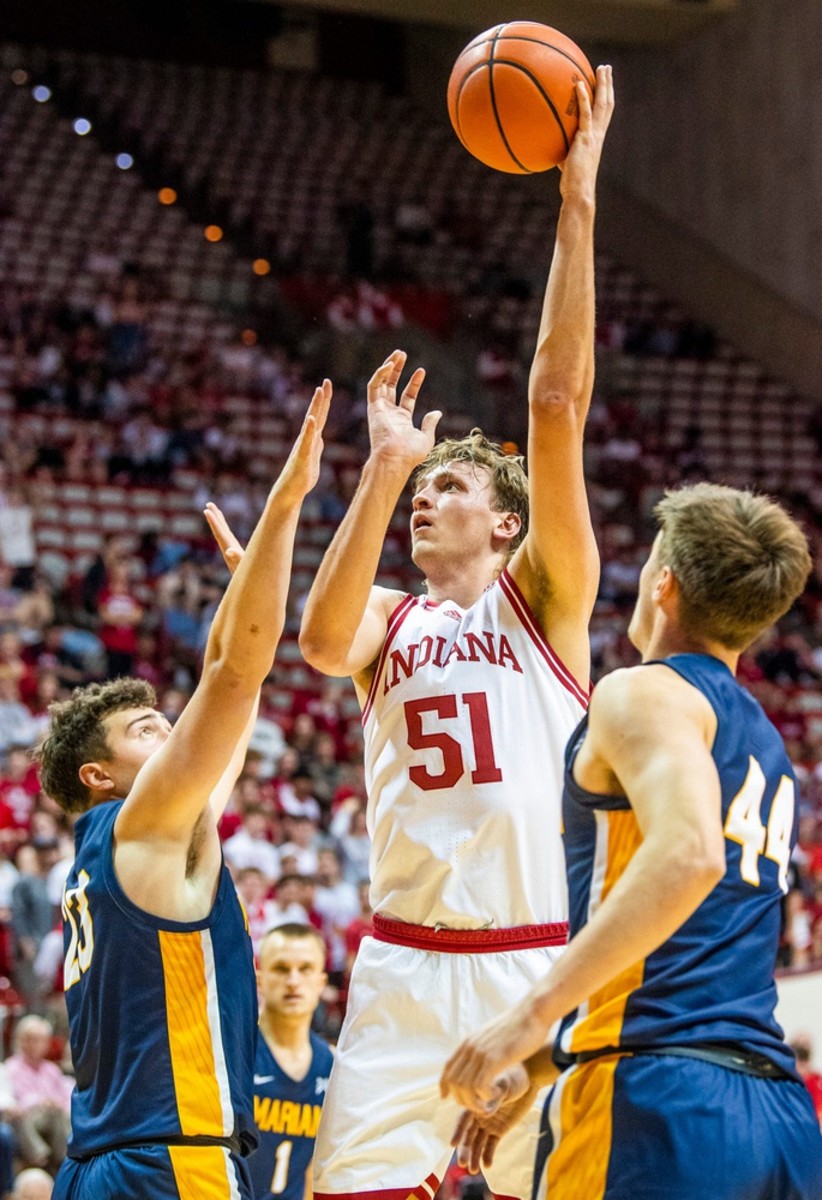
{"x":469,"y":694}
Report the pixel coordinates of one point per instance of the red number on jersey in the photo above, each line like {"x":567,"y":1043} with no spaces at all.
{"x":453,"y":765}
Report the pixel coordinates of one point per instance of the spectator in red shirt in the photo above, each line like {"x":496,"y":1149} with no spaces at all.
{"x":361,"y":926}
{"x":120,"y":614}
{"x":803,"y":1049}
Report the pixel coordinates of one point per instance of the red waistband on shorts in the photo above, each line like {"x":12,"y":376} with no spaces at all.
{"x":468,"y":941}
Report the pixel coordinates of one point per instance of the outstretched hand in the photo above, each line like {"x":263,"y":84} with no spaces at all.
{"x":230,"y":548}
{"x":394,"y":437}
{"x":580,"y":168}
{"x":302,"y":468}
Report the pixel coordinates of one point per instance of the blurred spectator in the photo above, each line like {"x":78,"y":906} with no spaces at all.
{"x":19,"y":785}
{"x":300,"y":846}
{"x":338,"y":904}
{"x":296,"y":795}
{"x":348,"y":828}
{"x":17,"y":726}
{"x":413,"y":222}
{"x":324,"y":768}
{"x":286,"y":906}
{"x":120,"y":614}
{"x":41,"y":1095}
{"x":361,"y":926}
{"x":250,"y":846}
{"x":803,"y":1049}
{"x":253,"y":887}
{"x":8,"y":1142}
{"x":17,"y":548}
{"x":32,"y":913}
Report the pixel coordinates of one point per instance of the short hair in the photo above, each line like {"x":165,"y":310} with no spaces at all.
{"x":293,"y":931}
{"x":508,"y":478}
{"x":78,"y":736}
{"x":740,"y":560}
{"x":31,"y":1023}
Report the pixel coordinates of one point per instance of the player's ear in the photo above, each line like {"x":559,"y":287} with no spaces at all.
{"x":508,"y":525}
{"x":95,"y":777}
{"x":666,"y":588}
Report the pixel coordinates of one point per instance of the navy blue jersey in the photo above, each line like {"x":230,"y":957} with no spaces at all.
{"x":713,"y":980}
{"x":162,"y":1014}
{"x":287,"y":1113}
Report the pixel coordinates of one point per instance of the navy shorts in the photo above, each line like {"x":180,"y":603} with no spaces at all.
{"x":650,"y":1127}
{"x":155,"y":1172}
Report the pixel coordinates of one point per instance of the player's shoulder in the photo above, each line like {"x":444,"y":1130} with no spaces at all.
{"x":387,"y":600}
{"x":648,"y":690}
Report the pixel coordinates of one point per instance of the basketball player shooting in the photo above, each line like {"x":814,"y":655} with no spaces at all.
{"x":469,"y":695}
{"x":159,"y":978}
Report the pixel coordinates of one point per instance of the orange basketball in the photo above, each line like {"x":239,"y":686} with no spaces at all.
{"x":512,"y":98}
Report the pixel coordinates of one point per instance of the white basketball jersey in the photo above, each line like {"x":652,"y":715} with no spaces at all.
{"x":466,"y":724}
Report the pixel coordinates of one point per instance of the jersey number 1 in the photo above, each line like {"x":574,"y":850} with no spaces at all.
{"x":453,"y":763}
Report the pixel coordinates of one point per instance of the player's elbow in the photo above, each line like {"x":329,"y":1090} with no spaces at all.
{"x":702,"y":858}
{"x":551,"y":403}
{"x":320,"y":653}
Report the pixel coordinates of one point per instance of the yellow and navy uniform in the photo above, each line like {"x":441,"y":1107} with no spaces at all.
{"x":162,"y":1019}
{"x":287,"y":1114}
{"x":677,"y":1081}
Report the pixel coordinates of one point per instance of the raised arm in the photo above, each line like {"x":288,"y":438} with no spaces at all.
{"x":346,"y":616}
{"x":173,"y":787}
{"x":558,"y":566}
{"x":649,"y":735}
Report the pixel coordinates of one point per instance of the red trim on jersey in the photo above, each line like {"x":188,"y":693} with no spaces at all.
{"x":531,"y":626}
{"x":417,"y":1193}
{"x":394,"y":621}
{"x":468,"y":941}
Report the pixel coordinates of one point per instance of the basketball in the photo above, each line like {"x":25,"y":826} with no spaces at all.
{"x":512,"y":98}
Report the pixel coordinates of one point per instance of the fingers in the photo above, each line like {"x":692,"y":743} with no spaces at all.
{"x":320,"y":404}
{"x":387,"y":376}
{"x":230,"y":548}
{"x":584,"y":103}
{"x":604,"y":95}
{"x":412,"y":389}
{"x":430,"y":422}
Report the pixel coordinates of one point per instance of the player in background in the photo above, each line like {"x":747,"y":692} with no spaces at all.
{"x":680,"y":819}
{"x":292,"y":1065}
{"x":159,"y":978}
{"x":469,"y":695}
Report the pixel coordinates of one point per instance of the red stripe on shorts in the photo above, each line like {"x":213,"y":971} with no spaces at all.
{"x":468,"y":941}
{"x":386,"y":1194}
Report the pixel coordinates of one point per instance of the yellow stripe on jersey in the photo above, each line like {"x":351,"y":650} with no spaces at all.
{"x":189,"y":1035}
{"x":202,"y":1173}
{"x":583,"y":1129}
{"x":601,"y":1024}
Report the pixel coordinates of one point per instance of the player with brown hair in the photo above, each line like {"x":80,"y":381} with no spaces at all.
{"x":159,"y":977}
{"x":680,"y":818}
{"x":469,"y":694}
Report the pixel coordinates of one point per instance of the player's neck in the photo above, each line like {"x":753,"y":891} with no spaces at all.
{"x":462,"y":582}
{"x":669,"y":640}
{"x":289,"y":1034}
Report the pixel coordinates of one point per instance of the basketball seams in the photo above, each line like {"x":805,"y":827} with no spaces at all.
{"x":505,"y":62}
{"x":521,"y":37}
{"x":494,"y":108}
